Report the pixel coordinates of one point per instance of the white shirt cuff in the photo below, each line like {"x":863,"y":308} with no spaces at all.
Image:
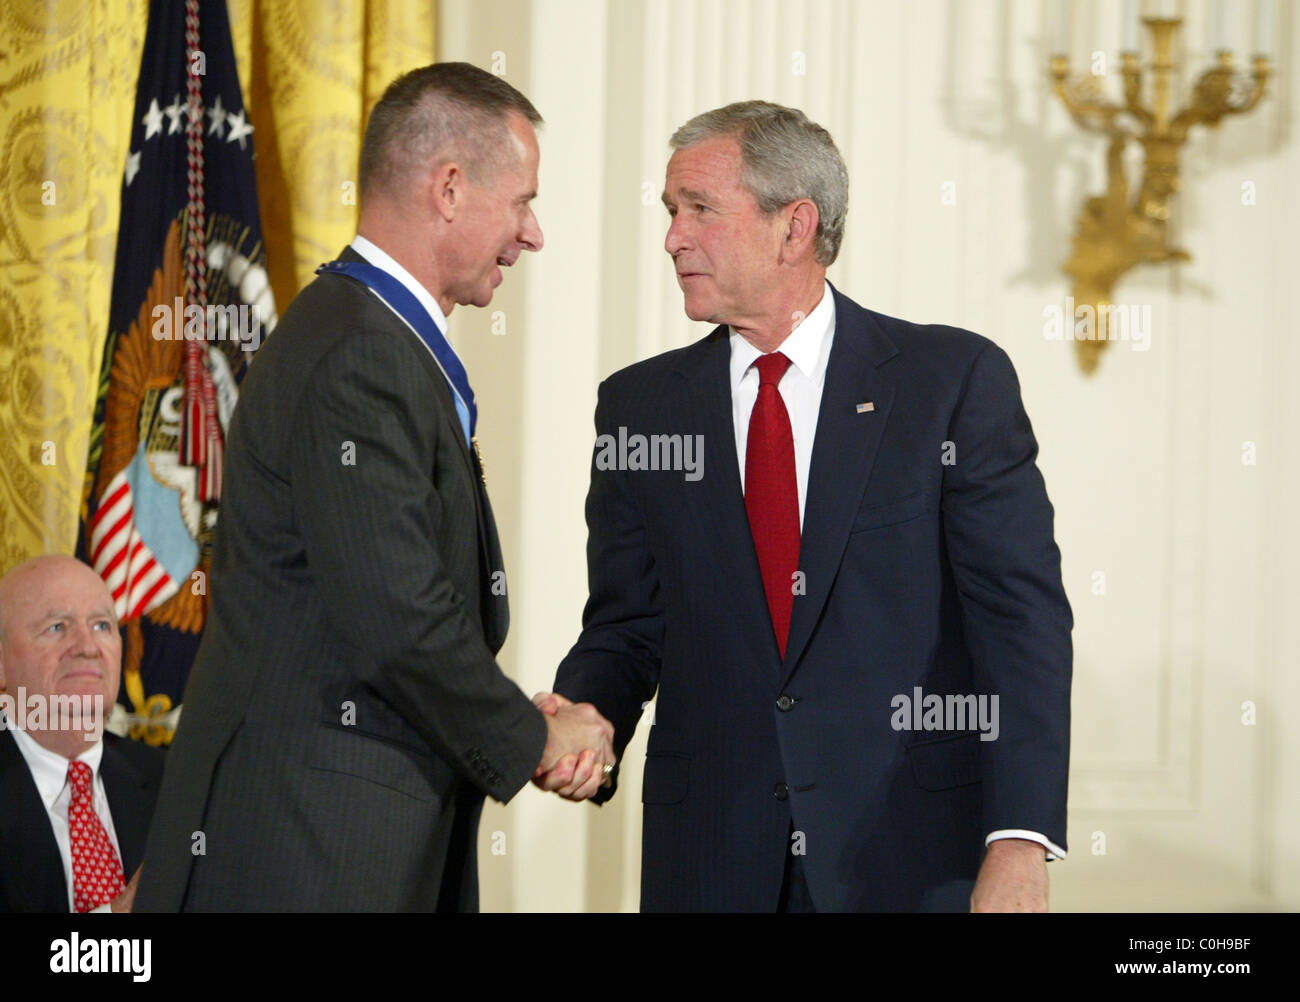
{"x":1054,"y":851}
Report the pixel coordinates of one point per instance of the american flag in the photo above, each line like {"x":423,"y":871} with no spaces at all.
{"x":191,"y":302}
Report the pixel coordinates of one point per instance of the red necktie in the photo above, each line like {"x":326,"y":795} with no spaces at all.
{"x":96,"y":871}
{"x":772,"y":494}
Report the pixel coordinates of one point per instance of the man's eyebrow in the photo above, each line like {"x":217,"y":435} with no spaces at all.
{"x":52,"y":615}
{"x":688,"y":195}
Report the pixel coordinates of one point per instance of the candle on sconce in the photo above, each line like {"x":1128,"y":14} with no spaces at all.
{"x":1062,"y":41}
{"x":1219,"y":21}
{"x":1130,"y":26}
{"x":1263,"y":26}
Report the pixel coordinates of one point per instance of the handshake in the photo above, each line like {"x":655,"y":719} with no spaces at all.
{"x":579,"y":753}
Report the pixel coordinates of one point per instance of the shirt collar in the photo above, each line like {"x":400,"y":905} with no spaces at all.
{"x":382,"y":260}
{"x":807,"y":347}
{"x":50,"y":769}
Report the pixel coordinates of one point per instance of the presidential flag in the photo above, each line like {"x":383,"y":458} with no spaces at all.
{"x":191,"y":303}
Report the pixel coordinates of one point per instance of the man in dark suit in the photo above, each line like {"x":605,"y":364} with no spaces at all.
{"x":345,"y":716}
{"x":74,"y":802}
{"x":854,"y":618}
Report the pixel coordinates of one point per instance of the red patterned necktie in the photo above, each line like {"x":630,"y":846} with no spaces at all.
{"x":96,"y":871}
{"x":772,"y":494}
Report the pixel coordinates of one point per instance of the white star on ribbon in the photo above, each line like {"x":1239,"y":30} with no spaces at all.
{"x":132,"y":167}
{"x":173,"y":112}
{"x":152,"y":120}
{"x":218,"y":118}
{"x":239,"y":127}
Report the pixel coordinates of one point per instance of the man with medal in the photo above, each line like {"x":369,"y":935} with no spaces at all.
{"x":345,"y":716}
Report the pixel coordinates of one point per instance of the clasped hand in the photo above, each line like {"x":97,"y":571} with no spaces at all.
{"x":579,"y":744}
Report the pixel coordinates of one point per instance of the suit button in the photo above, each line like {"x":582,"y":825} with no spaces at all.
{"x":781,"y":791}
{"x":784,"y":701}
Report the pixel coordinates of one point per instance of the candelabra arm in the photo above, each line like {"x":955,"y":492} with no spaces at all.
{"x":1082,"y":99}
{"x":1132,"y":76}
{"x":1218,"y":93}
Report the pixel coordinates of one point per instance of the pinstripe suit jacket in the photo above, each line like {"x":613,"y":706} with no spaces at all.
{"x":345,"y":716}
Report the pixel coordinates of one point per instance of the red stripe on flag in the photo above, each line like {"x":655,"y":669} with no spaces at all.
{"x":106,"y":571}
{"x":143,"y":604}
{"x":106,"y":505}
{"x":139,"y":573}
{"x":117,"y":527}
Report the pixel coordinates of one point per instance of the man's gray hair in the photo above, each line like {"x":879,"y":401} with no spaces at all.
{"x":435,"y":114}
{"x":786,"y":157}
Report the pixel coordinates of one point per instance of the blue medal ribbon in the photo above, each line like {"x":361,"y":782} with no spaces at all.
{"x":398,"y":298}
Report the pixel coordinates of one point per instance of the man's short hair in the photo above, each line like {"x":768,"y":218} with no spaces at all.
{"x":785,"y":157}
{"x":439,"y":113}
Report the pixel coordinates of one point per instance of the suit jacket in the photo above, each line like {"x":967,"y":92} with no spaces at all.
{"x":928,"y":560}
{"x":31,"y":869}
{"x":344,"y":716}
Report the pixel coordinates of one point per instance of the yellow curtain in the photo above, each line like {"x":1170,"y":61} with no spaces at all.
{"x":67,"y":87}
{"x":310,"y":71}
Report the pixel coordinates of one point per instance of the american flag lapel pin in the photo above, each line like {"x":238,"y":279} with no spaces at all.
{"x":864,"y":408}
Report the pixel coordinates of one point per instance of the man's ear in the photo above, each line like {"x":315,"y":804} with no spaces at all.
{"x":447,"y":189}
{"x":801,"y":230}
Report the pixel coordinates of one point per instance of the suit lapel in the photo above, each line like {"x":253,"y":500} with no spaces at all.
{"x":495,"y":608}
{"x":129,"y":804}
{"x":844,"y":450}
{"x":446,"y":407}
{"x":706,"y":393}
{"x":28,"y":852}
{"x":492,"y":608}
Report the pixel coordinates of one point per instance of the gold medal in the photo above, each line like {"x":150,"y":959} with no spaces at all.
{"x":478,"y":454}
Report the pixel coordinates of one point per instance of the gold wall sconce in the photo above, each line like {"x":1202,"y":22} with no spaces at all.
{"x":1115,"y":231}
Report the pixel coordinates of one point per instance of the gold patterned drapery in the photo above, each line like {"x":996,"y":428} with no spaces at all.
{"x":310,"y":71}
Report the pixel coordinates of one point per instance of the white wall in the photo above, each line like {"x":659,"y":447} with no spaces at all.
{"x":1143,"y":461}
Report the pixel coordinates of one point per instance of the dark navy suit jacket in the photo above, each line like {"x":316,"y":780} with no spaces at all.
{"x":31,"y":872}
{"x":928,"y":560}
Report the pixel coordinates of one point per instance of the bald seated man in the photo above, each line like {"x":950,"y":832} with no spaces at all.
{"x":75,"y":802}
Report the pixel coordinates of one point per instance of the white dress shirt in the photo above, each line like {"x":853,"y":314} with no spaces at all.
{"x":809,"y":349}
{"x":385,"y":262}
{"x":50,"y":773}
